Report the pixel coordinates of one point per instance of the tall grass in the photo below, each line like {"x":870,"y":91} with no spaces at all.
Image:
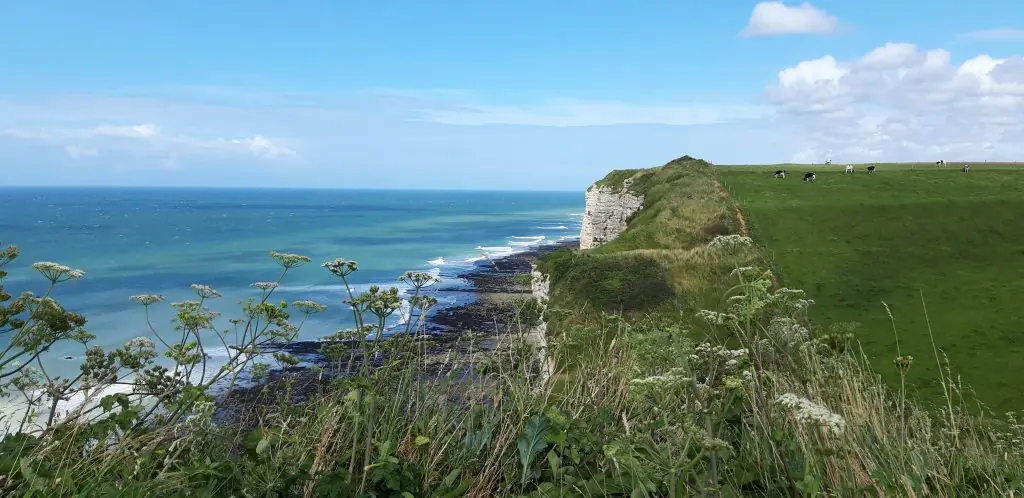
{"x":640,"y":411}
{"x":732,"y":393}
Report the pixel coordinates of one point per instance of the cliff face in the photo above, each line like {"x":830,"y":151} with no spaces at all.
{"x":540,"y":287}
{"x":607,"y":211}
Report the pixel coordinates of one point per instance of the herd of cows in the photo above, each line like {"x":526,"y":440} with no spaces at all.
{"x":810,"y":177}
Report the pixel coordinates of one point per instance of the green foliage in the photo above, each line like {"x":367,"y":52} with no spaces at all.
{"x":647,"y":402}
{"x":611,"y":283}
{"x":856,"y":241}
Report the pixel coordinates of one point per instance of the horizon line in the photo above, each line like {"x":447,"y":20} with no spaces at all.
{"x":219,"y":187}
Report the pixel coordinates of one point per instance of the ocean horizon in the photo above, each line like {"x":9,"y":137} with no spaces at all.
{"x":160,"y":240}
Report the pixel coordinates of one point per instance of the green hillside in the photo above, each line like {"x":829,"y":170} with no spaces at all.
{"x":853,"y":242}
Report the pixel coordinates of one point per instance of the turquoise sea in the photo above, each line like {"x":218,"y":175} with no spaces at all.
{"x":159,"y":241}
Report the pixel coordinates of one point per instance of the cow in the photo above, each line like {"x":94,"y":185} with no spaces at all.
{"x":809,"y":177}
{"x":848,"y":170}
{"x":828,"y":162}
{"x":781,"y":173}
{"x":966,"y":168}
{"x":871,"y":170}
{"x":940,"y":163}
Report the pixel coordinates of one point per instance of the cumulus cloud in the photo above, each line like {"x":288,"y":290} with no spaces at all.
{"x":997,"y":34}
{"x":901,"y":102}
{"x":777,"y":18}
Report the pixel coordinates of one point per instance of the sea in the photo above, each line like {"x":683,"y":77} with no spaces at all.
{"x":161,"y":240}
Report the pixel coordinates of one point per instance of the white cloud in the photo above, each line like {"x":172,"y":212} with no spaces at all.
{"x":571,"y":112}
{"x":75,"y":152}
{"x":147,"y":139}
{"x":901,"y":102}
{"x":261,"y":146}
{"x":997,"y":34}
{"x":777,"y":18}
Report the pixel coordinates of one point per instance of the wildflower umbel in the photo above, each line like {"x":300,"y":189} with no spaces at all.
{"x":731,"y":242}
{"x":341,"y":267}
{"x":205,"y":291}
{"x":288,"y":261}
{"x":147,"y":299}
{"x":57,"y":273}
{"x":419,"y":279}
{"x":265,"y":286}
{"x":309,"y":307}
{"x":807,"y":411}
{"x":140,"y":343}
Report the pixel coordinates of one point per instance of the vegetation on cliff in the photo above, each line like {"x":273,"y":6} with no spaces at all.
{"x":700,"y":377}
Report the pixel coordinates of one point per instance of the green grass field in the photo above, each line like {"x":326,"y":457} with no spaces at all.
{"x":854,"y":241}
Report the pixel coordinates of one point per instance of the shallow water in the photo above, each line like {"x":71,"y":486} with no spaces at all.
{"x":159,"y":241}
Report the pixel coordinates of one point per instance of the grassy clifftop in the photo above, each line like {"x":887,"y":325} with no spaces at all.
{"x":661,"y":262}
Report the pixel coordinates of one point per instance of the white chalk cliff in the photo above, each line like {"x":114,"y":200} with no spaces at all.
{"x":607,"y":211}
{"x":540,"y":287}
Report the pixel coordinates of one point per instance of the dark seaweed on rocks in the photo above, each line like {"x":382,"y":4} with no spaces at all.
{"x":496,"y":282}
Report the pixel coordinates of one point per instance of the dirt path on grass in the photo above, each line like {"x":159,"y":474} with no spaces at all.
{"x":739,"y":212}
{"x":743,"y":229}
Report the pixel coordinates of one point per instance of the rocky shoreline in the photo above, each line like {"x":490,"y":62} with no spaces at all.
{"x":497,"y":284}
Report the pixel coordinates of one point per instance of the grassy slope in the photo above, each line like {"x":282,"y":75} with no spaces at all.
{"x":658,"y":267}
{"x":852,"y":242}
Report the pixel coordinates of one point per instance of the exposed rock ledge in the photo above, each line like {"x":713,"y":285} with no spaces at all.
{"x":540,"y":286}
{"x":607,"y":211}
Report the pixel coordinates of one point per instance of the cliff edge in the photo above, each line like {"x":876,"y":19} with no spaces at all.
{"x":607,"y":213}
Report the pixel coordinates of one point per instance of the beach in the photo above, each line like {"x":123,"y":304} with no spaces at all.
{"x":473,"y":327}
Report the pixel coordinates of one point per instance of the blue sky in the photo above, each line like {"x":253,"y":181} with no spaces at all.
{"x":524,"y":94}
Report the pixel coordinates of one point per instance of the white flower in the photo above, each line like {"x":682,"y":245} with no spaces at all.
{"x":205,"y":291}
{"x":807,"y":411}
{"x":671,"y":377}
{"x":743,"y":270}
{"x":309,"y":307}
{"x":57,"y":273}
{"x":140,"y":343}
{"x":715,"y":317}
{"x":147,"y":299}
{"x":265,"y":286}
{"x":730,"y":242}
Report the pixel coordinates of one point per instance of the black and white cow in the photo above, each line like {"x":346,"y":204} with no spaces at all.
{"x":871,"y":169}
{"x":781,"y":173}
{"x":940,"y":163}
{"x":966,"y":168}
{"x":848,"y":170}
{"x":809,"y":177}
{"x":828,"y":162}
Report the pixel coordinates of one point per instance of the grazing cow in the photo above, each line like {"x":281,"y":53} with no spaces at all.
{"x":848,"y":170}
{"x":940,"y":163}
{"x":828,"y":162}
{"x":781,"y":173}
{"x":871,"y":170}
{"x":809,"y":177}
{"x":966,"y":168}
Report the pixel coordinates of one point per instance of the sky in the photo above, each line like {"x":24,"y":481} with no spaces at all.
{"x":494,"y":95}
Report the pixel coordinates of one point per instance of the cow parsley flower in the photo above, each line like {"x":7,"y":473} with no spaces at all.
{"x":57,"y":273}
{"x":288,"y":260}
{"x":205,"y":291}
{"x":806,"y":411}
{"x":147,"y":299}
{"x":419,"y":279}
{"x":309,"y":307}
{"x":341,"y":267}
{"x":731,"y":242}
{"x":265,"y":286}
{"x":715,"y":317}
